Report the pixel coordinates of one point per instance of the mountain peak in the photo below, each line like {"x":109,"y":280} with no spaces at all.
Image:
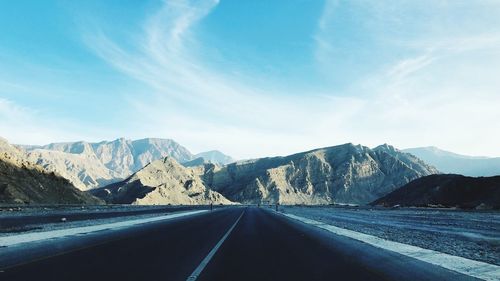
{"x":216,"y":157}
{"x":386,"y":148}
{"x":163,"y":181}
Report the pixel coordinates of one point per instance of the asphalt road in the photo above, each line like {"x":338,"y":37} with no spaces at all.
{"x":261,"y":246}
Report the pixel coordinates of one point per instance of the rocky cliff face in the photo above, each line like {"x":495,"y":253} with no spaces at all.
{"x":343,"y":174}
{"x":90,"y":165}
{"x":162,"y":182}
{"x":24,"y":182}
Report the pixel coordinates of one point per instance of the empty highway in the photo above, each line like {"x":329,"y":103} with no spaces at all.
{"x":238,"y":243}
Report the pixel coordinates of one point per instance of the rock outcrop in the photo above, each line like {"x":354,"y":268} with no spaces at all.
{"x":162,"y":182}
{"x":24,"y":182}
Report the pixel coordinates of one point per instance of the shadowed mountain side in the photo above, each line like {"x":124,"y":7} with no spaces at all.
{"x":23,"y":182}
{"x":447,"y":191}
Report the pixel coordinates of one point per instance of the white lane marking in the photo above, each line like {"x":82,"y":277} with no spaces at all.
{"x":37,"y":236}
{"x":465,"y":266}
{"x":210,"y":255}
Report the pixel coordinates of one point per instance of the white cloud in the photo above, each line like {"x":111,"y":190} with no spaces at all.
{"x":26,"y":125}
{"x":442,"y":91}
{"x":206,"y":108}
{"x":22,"y":125}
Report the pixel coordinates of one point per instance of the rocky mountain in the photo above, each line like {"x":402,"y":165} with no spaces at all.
{"x":84,"y":171}
{"x":447,"y":191}
{"x":344,"y":174}
{"x":449,"y":162}
{"x":24,"y":182}
{"x":215,"y":157}
{"x":162,"y":182}
{"x":340,"y":174}
{"x":89,"y":165}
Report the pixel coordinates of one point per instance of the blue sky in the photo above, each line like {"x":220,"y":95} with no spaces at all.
{"x":253,"y":78}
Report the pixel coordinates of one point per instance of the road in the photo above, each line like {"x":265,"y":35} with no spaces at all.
{"x":261,"y":245}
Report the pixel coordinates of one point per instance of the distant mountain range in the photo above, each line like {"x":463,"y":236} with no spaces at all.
{"x":447,"y":191}
{"x":90,"y":165}
{"x":449,"y":162}
{"x":346,"y":173}
{"x":216,"y":157}
{"x":161,"y":171}
{"x":24,"y":182}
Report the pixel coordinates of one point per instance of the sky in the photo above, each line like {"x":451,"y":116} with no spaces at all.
{"x":253,"y":78}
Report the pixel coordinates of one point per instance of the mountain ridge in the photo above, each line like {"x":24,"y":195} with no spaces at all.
{"x":345,"y":173}
{"x":95,"y":164}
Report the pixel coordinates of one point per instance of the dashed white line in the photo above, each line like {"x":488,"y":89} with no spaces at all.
{"x":210,"y":255}
{"x":465,"y":266}
{"x":37,"y":236}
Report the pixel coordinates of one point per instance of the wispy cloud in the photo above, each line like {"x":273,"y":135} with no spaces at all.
{"x":24,"y":125}
{"x":407,"y":67}
{"x":193,"y":100}
{"x":440,"y":89}
{"x":396,"y":101}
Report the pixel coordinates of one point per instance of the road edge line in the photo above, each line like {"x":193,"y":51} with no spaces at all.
{"x":461,"y":265}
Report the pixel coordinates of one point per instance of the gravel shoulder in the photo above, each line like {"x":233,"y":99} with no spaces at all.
{"x":470,"y":234}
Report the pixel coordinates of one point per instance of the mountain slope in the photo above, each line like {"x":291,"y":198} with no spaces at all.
{"x":346,"y":173}
{"x":449,"y":162}
{"x":216,"y":157}
{"x":448,"y":191}
{"x":82,"y":170}
{"x":161,"y":182}
{"x":90,"y":165}
{"x":23,"y":182}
